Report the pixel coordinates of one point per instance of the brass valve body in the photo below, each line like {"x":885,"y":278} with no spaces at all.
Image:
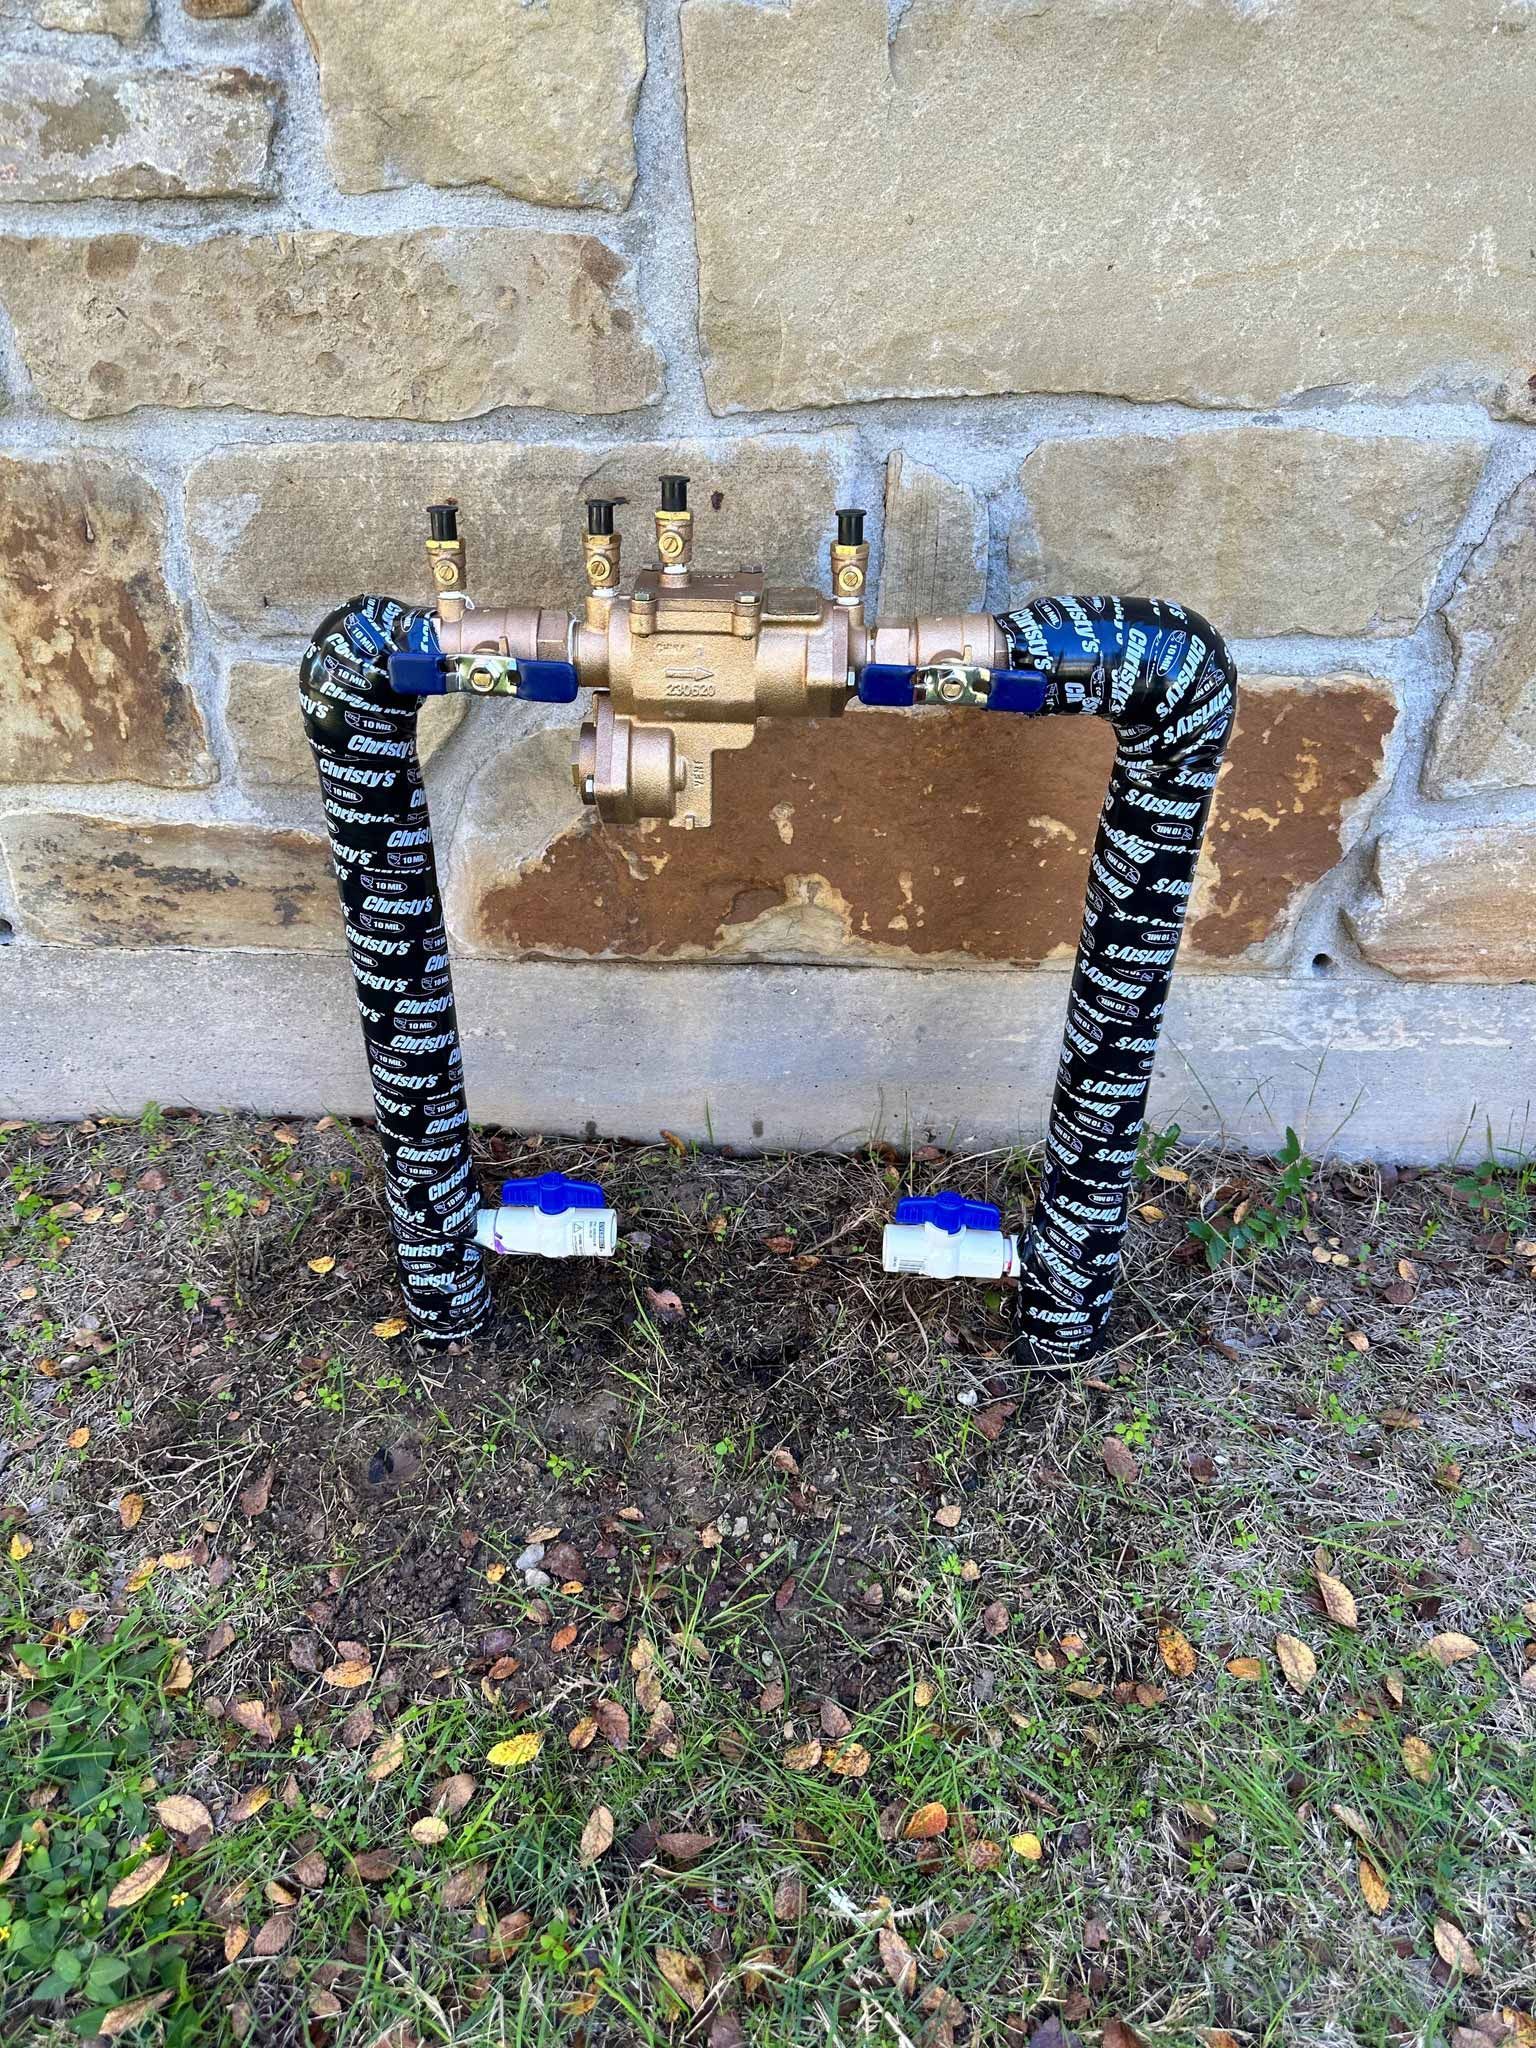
{"x":703,"y":660}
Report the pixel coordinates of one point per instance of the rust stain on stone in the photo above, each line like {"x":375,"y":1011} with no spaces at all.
{"x":940,"y":839}
{"x":1298,"y":759}
{"x":91,"y":646}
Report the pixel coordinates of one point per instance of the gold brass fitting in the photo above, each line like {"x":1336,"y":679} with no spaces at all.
{"x":445,"y":559}
{"x":850,"y":572}
{"x":674,"y":543}
{"x":600,"y":552}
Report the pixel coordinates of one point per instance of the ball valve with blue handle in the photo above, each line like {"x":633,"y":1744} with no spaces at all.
{"x":946,"y":1237}
{"x":550,"y":1217}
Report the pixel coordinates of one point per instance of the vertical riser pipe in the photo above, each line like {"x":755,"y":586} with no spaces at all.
{"x":364,"y":741}
{"x":1163,"y":678}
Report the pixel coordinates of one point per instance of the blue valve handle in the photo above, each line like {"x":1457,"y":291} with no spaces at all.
{"x":426,"y":675}
{"x":1013,"y":689}
{"x":552,"y":1194}
{"x":949,"y":1212}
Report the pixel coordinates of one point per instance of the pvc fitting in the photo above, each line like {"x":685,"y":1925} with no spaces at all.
{"x":550,"y":1218}
{"x":945,"y":1237}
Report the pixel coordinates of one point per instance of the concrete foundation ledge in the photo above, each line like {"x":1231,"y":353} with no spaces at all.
{"x":776,"y":1057}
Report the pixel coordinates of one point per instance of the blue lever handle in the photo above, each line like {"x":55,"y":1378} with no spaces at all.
{"x":418,"y":675}
{"x":885,"y":682}
{"x":1017,"y":689}
{"x":548,"y":682}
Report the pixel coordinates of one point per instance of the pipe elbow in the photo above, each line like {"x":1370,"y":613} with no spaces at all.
{"x":345,"y":667}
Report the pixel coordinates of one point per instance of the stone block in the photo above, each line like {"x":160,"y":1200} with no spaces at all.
{"x":127,"y":882}
{"x":68,"y":133}
{"x":934,"y":551}
{"x":1264,"y":529}
{"x":1452,"y":903}
{"x":537,"y":101}
{"x":1216,"y":202}
{"x":1485,"y":737}
{"x":271,"y":749}
{"x":434,"y":324}
{"x":92,"y":647}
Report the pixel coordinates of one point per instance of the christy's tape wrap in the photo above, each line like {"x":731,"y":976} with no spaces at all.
{"x":364,"y":741}
{"x":1159,"y":673}
{"x":1163,"y":678}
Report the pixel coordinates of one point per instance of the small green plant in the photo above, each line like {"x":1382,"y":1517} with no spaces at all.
{"x":1155,"y":1147}
{"x":1262,"y":1225}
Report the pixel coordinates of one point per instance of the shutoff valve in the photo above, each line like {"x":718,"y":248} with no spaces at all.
{"x":550,"y":1217}
{"x":946,"y":1237}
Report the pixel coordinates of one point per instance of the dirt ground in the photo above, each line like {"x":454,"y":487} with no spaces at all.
{"x":772,"y":1556}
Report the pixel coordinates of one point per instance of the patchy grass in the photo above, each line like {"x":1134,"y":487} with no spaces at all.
{"x":853,"y":1689}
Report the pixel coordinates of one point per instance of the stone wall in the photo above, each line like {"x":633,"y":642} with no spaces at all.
{"x":1229,"y":300}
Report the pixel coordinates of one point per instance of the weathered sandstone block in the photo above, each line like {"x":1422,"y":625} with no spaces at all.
{"x":68,"y":133}
{"x":539,"y":101}
{"x":1486,"y":734}
{"x":92,"y":648}
{"x":438,"y":324}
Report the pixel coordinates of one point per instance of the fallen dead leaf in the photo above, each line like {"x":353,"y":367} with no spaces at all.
{"x":254,"y":1498}
{"x":248,"y":1805}
{"x":1176,"y":1651}
{"x":1120,"y":1461}
{"x":1454,"y":1949}
{"x":1451,"y":1648}
{"x":389,"y":1756}
{"x":274,"y":1934}
{"x":130,"y":1510}
{"x":462,"y":1887}
{"x":1121,"y":2034}
{"x":1338,"y":1601}
{"x":685,"y":1974}
{"x":324,"y":1264}
{"x":789,"y":1898}
{"x":427,"y":1832}
{"x":927,"y":1822}
{"x":257,"y":1719}
{"x":183,"y":1815}
{"x":1029,"y":1846}
{"x":899,"y":1961}
{"x":1372,"y":1887}
{"x":597,"y":1835}
{"x":122,"y":2017}
{"x":311,"y":1870}
{"x":1246,"y":1668}
{"x":1418,"y":1759}
{"x":1296,"y":1661}
{"x":140,"y":1881}
{"x":453,"y":1794}
{"x":848,"y":1760}
{"x":349,"y":1674}
{"x":666,"y":1304}
{"x":391,"y":1326}
{"x":803,"y":1756}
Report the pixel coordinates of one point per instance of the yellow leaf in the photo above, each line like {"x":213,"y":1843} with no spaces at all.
{"x":235,"y":1940}
{"x":597,"y":1835}
{"x":1454,"y":1949}
{"x":176,"y":1561}
{"x":130,"y":1509}
{"x":495,"y":1573}
{"x":21,"y":1546}
{"x":392,"y":1326}
{"x":924,"y":1693}
{"x":429,"y":1831}
{"x":584,"y":1734}
{"x":349,"y":1674}
{"x":803,"y":1756}
{"x":685,"y":1974}
{"x":517,"y":1751}
{"x":183,"y":1815}
{"x":948,"y":1516}
{"x":1372,"y":1889}
{"x":1338,"y":1600}
{"x":1173,"y":1174}
{"x":927,"y":1822}
{"x":140,"y":1576}
{"x":1246,"y":1668}
{"x":79,"y":1438}
{"x":322,"y":1265}
{"x":1450,"y":1648}
{"x":1176,"y":1651}
{"x":1418,"y":1759}
{"x":1296,"y":1661}
{"x":848,"y":1760}
{"x":1356,"y":1822}
{"x":139,"y":1883}
{"x":179,"y":1677}
{"x":1030,"y":1847}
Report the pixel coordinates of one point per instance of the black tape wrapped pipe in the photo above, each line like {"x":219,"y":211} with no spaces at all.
{"x":364,"y":741}
{"x":1164,"y":679}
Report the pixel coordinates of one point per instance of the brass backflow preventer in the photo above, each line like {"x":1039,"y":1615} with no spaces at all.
{"x":683,"y":666}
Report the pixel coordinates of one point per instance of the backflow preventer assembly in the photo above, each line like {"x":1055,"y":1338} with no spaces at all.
{"x":682,"y":668}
